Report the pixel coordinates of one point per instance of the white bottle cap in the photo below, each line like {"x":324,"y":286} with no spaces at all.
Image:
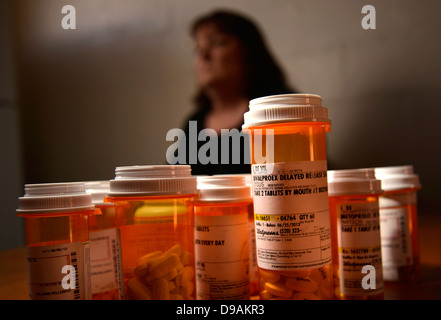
{"x":153,"y":180}
{"x":353,"y":182}
{"x":398,"y":177}
{"x":285,"y":108}
{"x":55,"y":198}
{"x":98,"y":190}
{"x":224,"y":188}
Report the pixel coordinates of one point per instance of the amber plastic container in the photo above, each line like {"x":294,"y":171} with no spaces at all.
{"x":222,"y":238}
{"x":355,"y":222}
{"x":57,"y":240}
{"x":154,"y":208}
{"x":399,"y":224}
{"x":254,"y":273}
{"x":291,"y":209}
{"x":105,"y":246}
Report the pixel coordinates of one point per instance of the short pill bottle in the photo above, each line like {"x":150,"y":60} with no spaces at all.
{"x":290,"y":194}
{"x":105,"y":245}
{"x":154,"y":207}
{"x":221,"y":238}
{"x":57,"y":240}
{"x":399,"y":224}
{"x":356,"y":245}
{"x":253,"y":271}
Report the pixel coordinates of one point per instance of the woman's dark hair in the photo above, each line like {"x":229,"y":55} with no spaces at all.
{"x":264,"y":75}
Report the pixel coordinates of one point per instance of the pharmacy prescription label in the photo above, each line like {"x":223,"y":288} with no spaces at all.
{"x":396,"y":241}
{"x":59,"y":272}
{"x":359,"y":244}
{"x":291,"y":214}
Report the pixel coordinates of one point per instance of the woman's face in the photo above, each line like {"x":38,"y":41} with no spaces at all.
{"x":218,"y":57}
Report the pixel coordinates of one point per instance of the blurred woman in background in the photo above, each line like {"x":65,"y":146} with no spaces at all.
{"x":233,"y":65}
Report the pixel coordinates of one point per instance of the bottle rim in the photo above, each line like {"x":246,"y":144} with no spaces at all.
{"x":285,"y":108}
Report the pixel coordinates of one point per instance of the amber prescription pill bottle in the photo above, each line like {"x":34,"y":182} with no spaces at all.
{"x":221,"y":238}
{"x":254,"y":274}
{"x":290,"y":194}
{"x":105,"y":245}
{"x":355,"y":222}
{"x":57,"y":240}
{"x":399,"y":223}
{"x":154,"y":208}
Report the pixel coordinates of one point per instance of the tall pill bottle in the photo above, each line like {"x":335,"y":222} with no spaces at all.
{"x":105,"y":245}
{"x":221,"y":238}
{"x":399,"y":223}
{"x":356,"y":245}
{"x":57,"y":240}
{"x":154,"y":207}
{"x":290,"y":195}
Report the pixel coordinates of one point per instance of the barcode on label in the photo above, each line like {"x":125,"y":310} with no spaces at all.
{"x":74,"y":263}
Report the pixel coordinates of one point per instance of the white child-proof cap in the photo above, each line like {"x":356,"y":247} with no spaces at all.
{"x":99,"y":190}
{"x":353,"y":182}
{"x":398,"y":177}
{"x":54,"y":198}
{"x":149,"y":180}
{"x":223,"y":188}
{"x":285,"y":108}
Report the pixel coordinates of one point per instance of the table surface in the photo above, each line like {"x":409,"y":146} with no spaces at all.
{"x":13,"y":273}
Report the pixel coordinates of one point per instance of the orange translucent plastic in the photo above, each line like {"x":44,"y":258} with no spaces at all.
{"x":296,"y":141}
{"x":254,"y":276}
{"x":44,"y":230}
{"x":226,"y":209}
{"x":411,"y":272}
{"x":221,"y":209}
{"x":56,"y":228}
{"x":304,"y":141}
{"x":334,"y":202}
{"x":104,"y":218}
{"x":149,"y":224}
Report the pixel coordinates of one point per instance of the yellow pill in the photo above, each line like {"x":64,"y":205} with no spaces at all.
{"x":176,"y":249}
{"x":138,"y":290}
{"x":163,"y":266}
{"x":143,"y":267}
{"x":145,"y":258}
{"x":186,"y":258}
{"x":305,"y":296}
{"x":187,"y":290}
{"x":185,"y":276}
{"x":269,"y":276}
{"x":180,"y":266}
{"x":141,"y":271}
{"x":160,"y":289}
{"x":171,"y":274}
{"x":296,"y":273}
{"x":278,"y":289}
{"x":171,"y":285}
{"x":303,"y":284}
